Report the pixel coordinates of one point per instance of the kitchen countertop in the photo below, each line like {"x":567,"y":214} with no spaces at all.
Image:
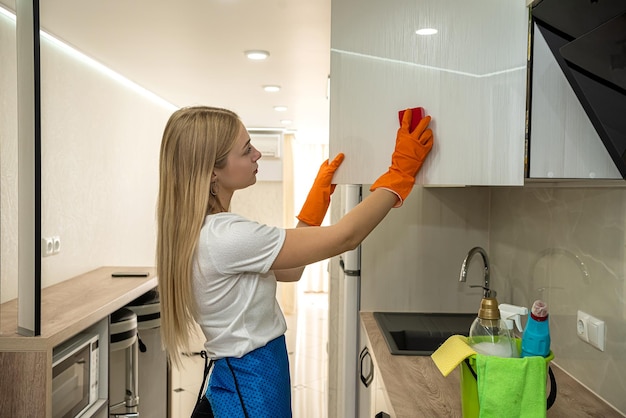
{"x":415,"y":387}
{"x":73,"y":305}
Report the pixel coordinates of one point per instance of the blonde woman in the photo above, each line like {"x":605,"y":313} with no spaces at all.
{"x":220,"y":270}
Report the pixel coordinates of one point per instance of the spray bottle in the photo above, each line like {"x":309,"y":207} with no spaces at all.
{"x":511,"y":315}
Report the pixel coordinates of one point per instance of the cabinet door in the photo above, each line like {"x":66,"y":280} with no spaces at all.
{"x":372,"y":397}
{"x":563,"y":142}
{"x":366,"y":373}
{"x":470,"y":77}
{"x":382,"y":405}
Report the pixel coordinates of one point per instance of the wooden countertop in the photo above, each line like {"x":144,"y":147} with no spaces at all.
{"x":416,"y":388}
{"x":73,"y":305}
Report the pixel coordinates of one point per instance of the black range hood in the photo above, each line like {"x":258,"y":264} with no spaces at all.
{"x":588,"y":40}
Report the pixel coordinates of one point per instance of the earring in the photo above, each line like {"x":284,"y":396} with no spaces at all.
{"x":213,"y":193}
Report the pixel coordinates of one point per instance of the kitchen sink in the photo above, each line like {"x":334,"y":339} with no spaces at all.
{"x":420,"y":333}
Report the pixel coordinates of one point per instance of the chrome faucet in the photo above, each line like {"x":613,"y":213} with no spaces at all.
{"x":463,"y":276}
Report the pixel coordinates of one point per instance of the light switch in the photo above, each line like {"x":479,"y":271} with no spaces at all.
{"x":596,"y":333}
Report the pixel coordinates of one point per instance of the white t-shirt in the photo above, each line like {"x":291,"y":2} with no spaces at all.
{"x":234,"y":288}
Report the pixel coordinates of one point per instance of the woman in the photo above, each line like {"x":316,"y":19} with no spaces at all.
{"x":220,"y":270}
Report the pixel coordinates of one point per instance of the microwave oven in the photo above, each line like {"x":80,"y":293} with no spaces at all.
{"x":75,"y":375}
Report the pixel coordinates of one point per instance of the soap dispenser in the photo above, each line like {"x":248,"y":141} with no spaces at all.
{"x":489,"y":334}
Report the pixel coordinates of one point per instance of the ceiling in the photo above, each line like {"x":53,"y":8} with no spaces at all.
{"x":192,"y":52}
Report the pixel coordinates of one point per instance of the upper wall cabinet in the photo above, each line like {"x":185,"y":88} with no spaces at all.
{"x":563,"y":142}
{"x":470,"y":77}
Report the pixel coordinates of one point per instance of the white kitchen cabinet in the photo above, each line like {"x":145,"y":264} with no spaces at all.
{"x":470,"y":77}
{"x":563,"y":142}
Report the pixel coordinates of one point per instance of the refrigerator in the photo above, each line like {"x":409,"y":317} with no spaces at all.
{"x":357,"y":376}
{"x":350,"y":280}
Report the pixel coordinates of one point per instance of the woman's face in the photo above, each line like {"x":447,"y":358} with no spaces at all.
{"x":241,"y":164}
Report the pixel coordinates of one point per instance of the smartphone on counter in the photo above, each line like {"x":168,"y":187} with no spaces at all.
{"x":130,"y":274}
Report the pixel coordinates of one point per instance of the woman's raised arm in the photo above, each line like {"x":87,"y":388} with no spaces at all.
{"x":308,"y":245}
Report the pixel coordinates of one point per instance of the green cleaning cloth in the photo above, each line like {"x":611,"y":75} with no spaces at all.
{"x":511,"y":387}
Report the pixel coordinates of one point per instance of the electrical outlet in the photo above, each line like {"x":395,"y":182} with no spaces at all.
{"x":47,"y":246}
{"x":581,"y":326}
{"x":56,"y":244}
{"x":591,"y":330}
{"x":50,"y":245}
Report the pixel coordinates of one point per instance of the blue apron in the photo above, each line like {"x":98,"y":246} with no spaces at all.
{"x":254,"y":386}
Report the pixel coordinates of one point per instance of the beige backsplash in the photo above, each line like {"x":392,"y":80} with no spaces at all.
{"x":567,"y":247}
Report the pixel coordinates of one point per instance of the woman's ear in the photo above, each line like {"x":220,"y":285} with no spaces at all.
{"x":213,"y":177}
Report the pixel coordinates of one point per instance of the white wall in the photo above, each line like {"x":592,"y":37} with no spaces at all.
{"x":414,"y":256}
{"x":8,"y":160}
{"x":100,"y":145}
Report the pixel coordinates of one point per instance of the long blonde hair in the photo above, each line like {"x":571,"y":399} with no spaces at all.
{"x":195,"y":141}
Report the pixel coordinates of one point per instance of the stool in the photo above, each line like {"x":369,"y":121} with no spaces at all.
{"x":148,"y":310}
{"x":123,"y":331}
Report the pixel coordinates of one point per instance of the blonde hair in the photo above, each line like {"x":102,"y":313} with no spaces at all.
{"x":195,"y":141}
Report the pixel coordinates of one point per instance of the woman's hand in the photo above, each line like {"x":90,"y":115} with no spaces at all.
{"x":411,"y":150}
{"x":317,"y":202}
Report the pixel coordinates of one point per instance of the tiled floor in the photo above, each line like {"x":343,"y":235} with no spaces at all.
{"x":307,"y":342}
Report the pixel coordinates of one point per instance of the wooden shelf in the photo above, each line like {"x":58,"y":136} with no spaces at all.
{"x":67,"y":308}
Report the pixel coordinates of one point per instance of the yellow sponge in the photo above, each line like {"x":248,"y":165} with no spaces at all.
{"x":451,"y":353}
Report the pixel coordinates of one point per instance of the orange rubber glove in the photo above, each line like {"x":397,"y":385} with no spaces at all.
{"x":317,"y":202}
{"x":412,"y":148}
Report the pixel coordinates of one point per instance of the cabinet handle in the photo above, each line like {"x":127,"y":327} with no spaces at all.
{"x":365,"y":355}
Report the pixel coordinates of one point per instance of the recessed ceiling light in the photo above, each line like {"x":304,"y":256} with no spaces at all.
{"x":257,"y":54}
{"x":271,"y":88}
{"x":426,"y":31}
{"x":280,"y":108}
{"x":286,"y":121}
